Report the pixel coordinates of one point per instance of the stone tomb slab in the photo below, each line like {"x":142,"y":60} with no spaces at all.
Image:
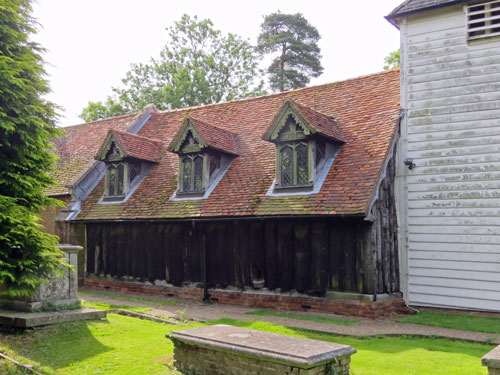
{"x":19,"y":319}
{"x":492,"y":361}
{"x":224,"y":349}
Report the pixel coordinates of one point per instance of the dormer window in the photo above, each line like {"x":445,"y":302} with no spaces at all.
{"x":483,"y":20}
{"x":304,"y":141}
{"x":293,"y":155}
{"x":119,"y":177}
{"x":127,"y":159}
{"x":205,"y":152}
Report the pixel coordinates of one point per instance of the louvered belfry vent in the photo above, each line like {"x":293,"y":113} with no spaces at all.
{"x":483,"y":20}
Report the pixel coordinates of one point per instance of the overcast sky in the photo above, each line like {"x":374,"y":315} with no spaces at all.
{"x":91,"y":43}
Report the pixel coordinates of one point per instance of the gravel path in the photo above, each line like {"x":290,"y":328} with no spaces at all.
{"x":194,"y":310}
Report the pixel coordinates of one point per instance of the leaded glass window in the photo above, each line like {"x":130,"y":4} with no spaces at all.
{"x":302,"y":164}
{"x":187,"y":172}
{"x":134,"y":171}
{"x":115,"y":180}
{"x":294,"y":168}
{"x":198,"y":173}
{"x":320,"y":153}
{"x":192,"y":174}
{"x":287,"y":166}
{"x":214,"y":164}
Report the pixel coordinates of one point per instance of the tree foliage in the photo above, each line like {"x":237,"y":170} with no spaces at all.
{"x":27,"y":256}
{"x":295,"y":42}
{"x":392,"y":60}
{"x":199,"y":65}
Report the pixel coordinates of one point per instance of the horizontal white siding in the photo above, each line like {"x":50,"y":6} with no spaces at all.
{"x":452,"y":102}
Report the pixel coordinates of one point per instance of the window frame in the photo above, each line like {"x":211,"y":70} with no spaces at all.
{"x":294,"y":139}
{"x":126,"y":183}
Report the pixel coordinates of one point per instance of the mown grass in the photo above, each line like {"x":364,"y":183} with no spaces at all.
{"x":312,"y":318}
{"x":456,"y":321}
{"x":119,"y":345}
{"x":108,"y":306}
{"x":122,"y":345}
{"x":405,"y":355}
{"x":129,"y":298}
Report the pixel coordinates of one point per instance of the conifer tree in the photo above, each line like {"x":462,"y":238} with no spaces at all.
{"x":28,"y":257}
{"x":294,"y":40}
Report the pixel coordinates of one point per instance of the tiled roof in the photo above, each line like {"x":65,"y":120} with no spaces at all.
{"x":321,"y":123}
{"x":137,"y":147}
{"x":76,"y":150}
{"x":366,"y":109}
{"x":216,"y":138}
{"x":414,"y":6}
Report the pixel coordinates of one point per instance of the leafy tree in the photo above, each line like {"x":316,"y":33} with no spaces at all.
{"x":199,"y":65}
{"x":392,"y":60}
{"x":294,"y":40}
{"x":28,"y":257}
{"x":99,"y":110}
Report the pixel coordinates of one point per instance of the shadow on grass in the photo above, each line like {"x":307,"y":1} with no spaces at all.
{"x":59,"y":345}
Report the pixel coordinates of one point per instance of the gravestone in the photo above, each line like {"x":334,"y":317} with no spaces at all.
{"x":223,"y":350}
{"x":54,"y":302}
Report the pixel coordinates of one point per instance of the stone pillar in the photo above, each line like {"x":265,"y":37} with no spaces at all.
{"x":61,"y":292}
{"x":492,"y":361}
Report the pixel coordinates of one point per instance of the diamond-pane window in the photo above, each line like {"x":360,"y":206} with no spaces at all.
{"x":119,"y":182}
{"x":302,"y":164}
{"x":198,"y":173}
{"x":111,"y":180}
{"x":320,"y":153}
{"x":214,"y":164}
{"x":134,"y":171}
{"x":187,"y":171}
{"x":287,"y":166}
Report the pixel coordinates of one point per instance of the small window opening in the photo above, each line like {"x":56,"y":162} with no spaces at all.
{"x":483,"y":20}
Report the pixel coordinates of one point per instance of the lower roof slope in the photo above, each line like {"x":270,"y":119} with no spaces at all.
{"x":367,"y":110}
{"x":77,"y":148}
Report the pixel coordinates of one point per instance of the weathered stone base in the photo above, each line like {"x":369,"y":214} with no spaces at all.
{"x":195,"y":360}
{"x":228,"y":350}
{"x":492,"y":361}
{"x":293,"y":301}
{"x":35,"y":306}
{"x":14,"y":319}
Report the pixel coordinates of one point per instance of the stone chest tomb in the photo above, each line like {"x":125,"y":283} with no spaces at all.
{"x":224,"y":350}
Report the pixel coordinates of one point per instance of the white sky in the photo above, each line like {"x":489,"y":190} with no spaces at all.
{"x":91,"y":43}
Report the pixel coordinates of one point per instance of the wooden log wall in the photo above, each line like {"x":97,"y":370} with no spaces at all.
{"x":311,"y":256}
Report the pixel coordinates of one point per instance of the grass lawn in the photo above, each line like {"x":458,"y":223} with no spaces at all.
{"x":406,"y":355}
{"x":123,"y":345}
{"x":456,"y":321}
{"x":119,"y":346}
{"x":129,"y":298}
{"x":107,"y":306}
{"x":312,"y":318}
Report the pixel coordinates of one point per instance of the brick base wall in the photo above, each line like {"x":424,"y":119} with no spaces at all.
{"x":261,"y":300}
{"x":195,"y":360}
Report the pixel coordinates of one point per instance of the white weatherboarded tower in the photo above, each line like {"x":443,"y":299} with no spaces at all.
{"x":449,"y":201}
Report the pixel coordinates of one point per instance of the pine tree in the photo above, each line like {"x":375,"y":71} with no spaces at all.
{"x":294,"y":40}
{"x":28,"y":257}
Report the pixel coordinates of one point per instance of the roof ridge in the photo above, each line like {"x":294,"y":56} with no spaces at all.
{"x":282,"y":93}
{"x":100,"y":120}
